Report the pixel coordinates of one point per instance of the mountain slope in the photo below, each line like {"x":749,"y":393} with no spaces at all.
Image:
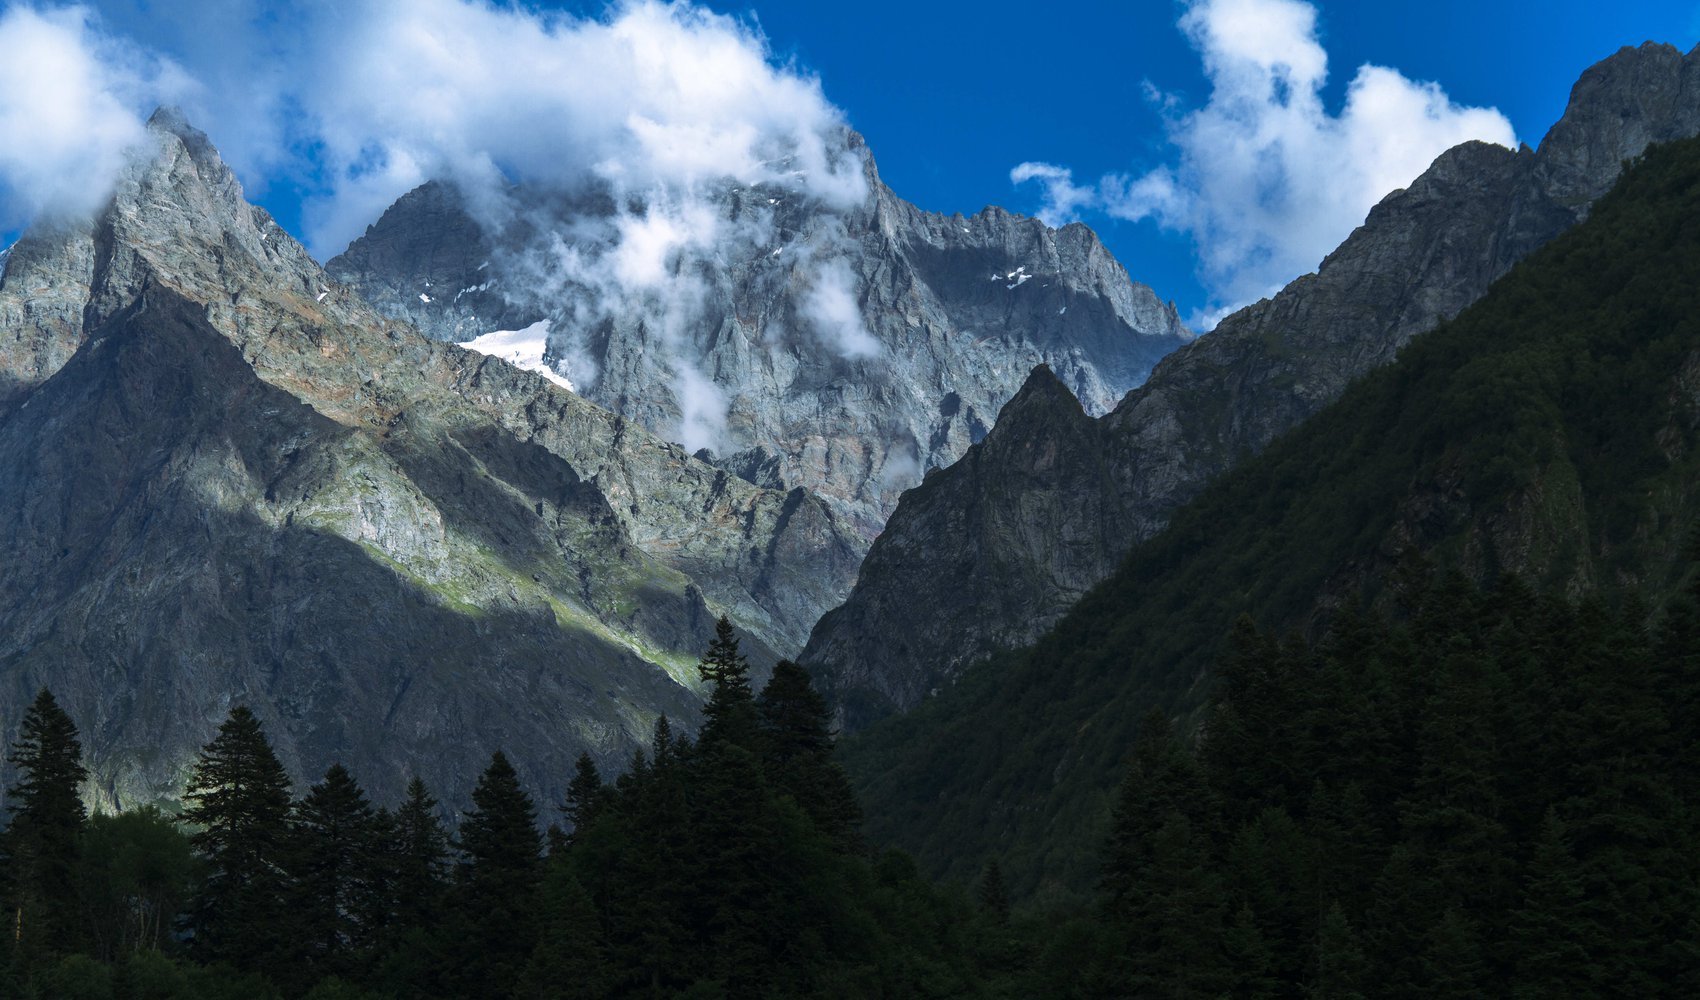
{"x":849,"y":348}
{"x":1552,"y":429}
{"x":1423,"y":254}
{"x":226,"y":479}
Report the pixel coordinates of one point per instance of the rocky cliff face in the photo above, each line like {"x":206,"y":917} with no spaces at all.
{"x":1423,"y":254}
{"x":841,"y":349}
{"x":226,"y":479}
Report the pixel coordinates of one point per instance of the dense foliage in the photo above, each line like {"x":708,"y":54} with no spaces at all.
{"x":1552,"y":429}
{"x":731,"y":865}
{"x":1493,"y":794}
{"x":1493,"y":798}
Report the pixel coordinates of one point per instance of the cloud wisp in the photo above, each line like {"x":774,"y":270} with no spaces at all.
{"x":611,"y":140}
{"x":1264,"y":177}
{"x":72,"y":104}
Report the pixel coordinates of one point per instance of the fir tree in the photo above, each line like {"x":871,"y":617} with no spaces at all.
{"x":420,"y":861}
{"x":1552,"y":934}
{"x":238,"y":805}
{"x":797,"y":751}
{"x":496,"y":882}
{"x":1162,"y":781}
{"x":570,"y":961}
{"x":729,"y":715}
{"x":1340,"y":963}
{"x":585,"y":794}
{"x":40,"y":845}
{"x":336,"y":863}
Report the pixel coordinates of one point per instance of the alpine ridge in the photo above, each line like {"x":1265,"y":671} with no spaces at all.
{"x":854,"y":346}
{"x":227,"y":480}
{"x":983,"y":538}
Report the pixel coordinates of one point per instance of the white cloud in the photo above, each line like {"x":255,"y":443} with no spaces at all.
{"x":1063,"y":200}
{"x":654,"y":96}
{"x":645,"y":114}
{"x":72,"y":102}
{"x":1265,"y":178}
{"x":831,"y":306}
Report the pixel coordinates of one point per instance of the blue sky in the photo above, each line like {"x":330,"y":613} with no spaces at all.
{"x":1114,"y":97}
{"x":958,"y":94}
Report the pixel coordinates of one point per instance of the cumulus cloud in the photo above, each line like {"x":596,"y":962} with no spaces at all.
{"x":1063,"y":199}
{"x":653,"y":96}
{"x":72,"y":102}
{"x":638,"y":121}
{"x":1265,"y":177}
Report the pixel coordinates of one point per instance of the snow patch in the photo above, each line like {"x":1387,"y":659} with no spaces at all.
{"x":524,"y":349}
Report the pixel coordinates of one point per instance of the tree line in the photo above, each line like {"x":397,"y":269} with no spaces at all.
{"x":1484,"y":793}
{"x":727,"y":865}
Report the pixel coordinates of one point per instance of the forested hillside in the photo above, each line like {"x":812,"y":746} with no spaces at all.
{"x":1549,"y":430}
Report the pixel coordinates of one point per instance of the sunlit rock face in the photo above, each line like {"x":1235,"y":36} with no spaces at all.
{"x":224,"y":479}
{"x":843,"y":342}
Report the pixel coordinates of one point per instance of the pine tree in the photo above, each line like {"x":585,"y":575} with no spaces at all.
{"x":496,"y":881}
{"x":40,"y":845}
{"x":797,"y":753}
{"x":729,"y":715}
{"x":238,"y":804}
{"x":335,"y":863}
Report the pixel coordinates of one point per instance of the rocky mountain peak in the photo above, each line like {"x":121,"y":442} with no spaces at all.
{"x":841,"y":348}
{"x":1422,"y":255}
{"x":227,"y":479}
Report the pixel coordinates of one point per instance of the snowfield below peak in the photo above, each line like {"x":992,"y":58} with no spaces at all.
{"x":521,"y":348}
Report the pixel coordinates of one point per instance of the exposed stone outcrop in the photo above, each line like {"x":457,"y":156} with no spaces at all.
{"x":226,"y":479}
{"x":955,"y":311}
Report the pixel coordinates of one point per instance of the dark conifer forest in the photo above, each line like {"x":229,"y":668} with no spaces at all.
{"x":1490,"y":794}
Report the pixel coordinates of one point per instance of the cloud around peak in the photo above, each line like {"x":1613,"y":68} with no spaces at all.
{"x":355,"y":103}
{"x":73,"y":102}
{"x":1263,"y":176}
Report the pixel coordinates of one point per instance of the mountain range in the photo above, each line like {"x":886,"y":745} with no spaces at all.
{"x":796,"y":341}
{"x":1548,"y":431}
{"x":1007,"y":540}
{"x":228,"y":480}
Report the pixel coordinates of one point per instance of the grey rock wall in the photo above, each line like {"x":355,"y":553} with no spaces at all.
{"x":958,"y":309}
{"x":224,"y":478}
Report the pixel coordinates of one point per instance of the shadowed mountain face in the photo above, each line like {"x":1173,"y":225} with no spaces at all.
{"x":841,"y":349}
{"x":1551,"y":430}
{"x":226,"y":479}
{"x":1007,"y":539}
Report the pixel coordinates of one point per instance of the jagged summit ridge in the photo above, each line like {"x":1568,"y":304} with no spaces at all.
{"x":1421,"y":256}
{"x":852,"y":348}
{"x":227,"y":479}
